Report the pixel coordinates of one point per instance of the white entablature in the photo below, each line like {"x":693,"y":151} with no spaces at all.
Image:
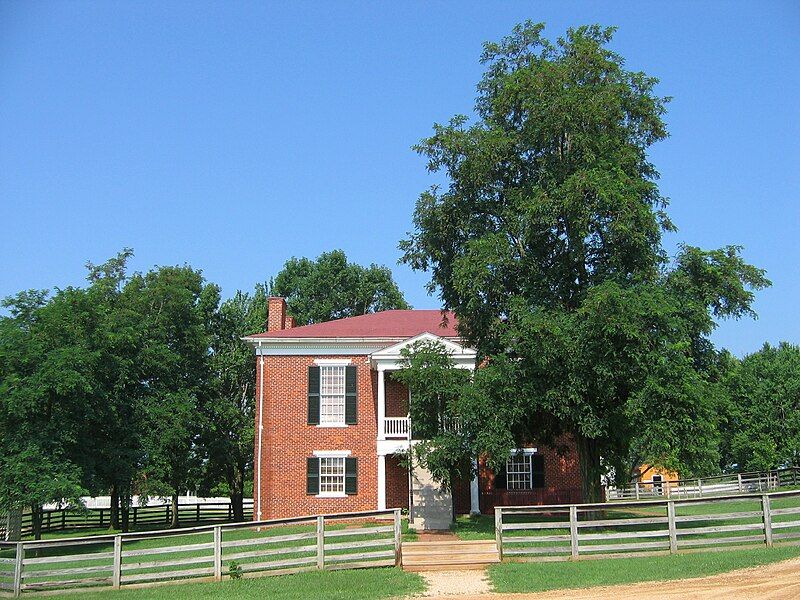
{"x":390,"y":358}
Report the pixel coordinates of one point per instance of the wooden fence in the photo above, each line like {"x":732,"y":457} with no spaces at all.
{"x":61,"y":519}
{"x":717,"y":485}
{"x":649,"y":526}
{"x":338,"y":541}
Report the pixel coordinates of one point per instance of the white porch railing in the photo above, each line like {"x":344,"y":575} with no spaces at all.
{"x":395,"y":427}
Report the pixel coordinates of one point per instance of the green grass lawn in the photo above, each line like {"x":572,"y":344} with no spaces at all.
{"x":543,"y":576}
{"x":366,"y":584}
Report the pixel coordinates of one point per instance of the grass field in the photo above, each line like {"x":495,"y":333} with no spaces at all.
{"x":366,"y":584}
{"x":543,"y":576}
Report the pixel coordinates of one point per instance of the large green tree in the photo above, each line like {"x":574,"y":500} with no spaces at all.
{"x":762,"y":419}
{"x":546,"y":242}
{"x":117,"y":337}
{"x":228,"y":411}
{"x":331,"y":288}
{"x":178,"y":308}
{"x":45,"y":382}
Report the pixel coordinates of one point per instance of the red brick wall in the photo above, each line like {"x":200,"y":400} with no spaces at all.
{"x":288,"y":440}
{"x":461,"y":496}
{"x":561,"y":477}
{"x":396,"y":398}
{"x":396,"y":483}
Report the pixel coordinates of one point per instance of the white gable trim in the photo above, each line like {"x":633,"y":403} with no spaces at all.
{"x":389,"y":358}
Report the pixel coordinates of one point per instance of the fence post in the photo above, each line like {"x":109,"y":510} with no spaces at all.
{"x":18,"y":563}
{"x":498,"y":530}
{"x":168,"y":511}
{"x":398,"y":557}
{"x":700,"y":487}
{"x":741,"y":487}
{"x":134,"y":515}
{"x":573,"y":529}
{"x":217,"y":553}
{"x":320,"y":542}
{"x":198,"y":511}
{"x":637,"y":490}
{"x":116,"y":574}
{"x":765,"y":509}
{"x":673,"y":532}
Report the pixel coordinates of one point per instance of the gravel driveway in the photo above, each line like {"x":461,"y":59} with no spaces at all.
{"x":778,"y":581}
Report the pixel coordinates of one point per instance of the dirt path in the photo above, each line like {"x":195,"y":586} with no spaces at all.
{"x":778,"y":581}
{"x":457,"y":583}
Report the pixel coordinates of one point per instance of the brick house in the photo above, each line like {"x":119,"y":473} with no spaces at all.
{"x":332,"y":425}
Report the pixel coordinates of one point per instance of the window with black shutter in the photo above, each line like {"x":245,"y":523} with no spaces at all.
{"x":523,"y":471}
{"x":313,"y":395}
{"x":537,"y":471}
{"x":351,"y":476}
{"x":351,"y":395}
{"x":312,"y":475}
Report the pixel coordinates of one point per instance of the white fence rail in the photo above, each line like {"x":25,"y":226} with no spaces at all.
{"x":338,"y":541}
{"x":651,"y":526}
{"x":718,"y":485}
{"x":396,"y":427}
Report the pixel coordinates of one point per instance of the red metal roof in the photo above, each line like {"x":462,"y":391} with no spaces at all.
{"x":386,"y":324}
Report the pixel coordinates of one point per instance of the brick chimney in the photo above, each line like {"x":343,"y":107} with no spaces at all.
{"x":276,"y":316}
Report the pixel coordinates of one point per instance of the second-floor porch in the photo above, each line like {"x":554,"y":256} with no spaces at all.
{"x":399,"y":428}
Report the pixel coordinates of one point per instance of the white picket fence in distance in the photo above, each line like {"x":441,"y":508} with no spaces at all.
{"x":280,"y":546}
{"x":647,"y":526}
{"x":702,"y":487}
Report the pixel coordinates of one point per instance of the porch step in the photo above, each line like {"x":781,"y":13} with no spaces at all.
{"x":431,"y":556}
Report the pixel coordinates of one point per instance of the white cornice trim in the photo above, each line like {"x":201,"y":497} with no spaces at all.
{"x":323,"y":346}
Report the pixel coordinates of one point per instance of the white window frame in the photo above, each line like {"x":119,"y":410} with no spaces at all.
{"x":324,"y":364}
{"x":527,"y":456}
{"x":338,"y":455}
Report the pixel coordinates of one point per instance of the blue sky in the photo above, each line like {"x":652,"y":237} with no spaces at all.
{"x":232,"y":136}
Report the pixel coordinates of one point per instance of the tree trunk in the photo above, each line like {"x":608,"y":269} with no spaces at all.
{"x":589,"y":457}
{"x":236,"y":486}
{"x":114,"y":522}
{"x":36,"y":521}
{"x":174,"y":522}
{"x":125,"y":508}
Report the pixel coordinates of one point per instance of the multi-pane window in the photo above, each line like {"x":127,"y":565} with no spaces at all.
{"x":518,"y":472}
{"x":331,"y":475}
{"x":524,"y":471}
{"x":331,"y":395}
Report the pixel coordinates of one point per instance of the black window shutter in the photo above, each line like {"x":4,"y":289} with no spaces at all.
{"x":500,"y":479}
{"x":537,"y":471}
{"x":312,"y":475}
{"x":350,"y":476}
{"x":350,"y":395}
{"x":313,"y":395}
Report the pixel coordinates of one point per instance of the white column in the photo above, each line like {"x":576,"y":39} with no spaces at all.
{"x":474,"y":501}
{"x":381,"y":403}
{"x":381,"y":482}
